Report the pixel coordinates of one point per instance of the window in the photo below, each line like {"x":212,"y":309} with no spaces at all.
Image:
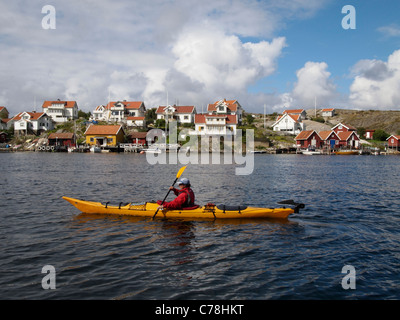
{"x":92,"y":139}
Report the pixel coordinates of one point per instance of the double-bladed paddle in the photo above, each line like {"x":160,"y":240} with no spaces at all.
{"x":178,"y":175}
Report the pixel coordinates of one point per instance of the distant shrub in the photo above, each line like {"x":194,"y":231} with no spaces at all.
{"x":381,"y":135}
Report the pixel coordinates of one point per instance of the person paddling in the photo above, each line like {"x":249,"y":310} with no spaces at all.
{"x":184,"y":199}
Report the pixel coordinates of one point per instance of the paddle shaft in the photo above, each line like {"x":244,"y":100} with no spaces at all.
{"x":169,"y":190}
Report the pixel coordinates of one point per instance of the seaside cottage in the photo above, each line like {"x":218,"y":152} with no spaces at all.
{"x":308,"y":139}
{"x":138,"y":138}
{"x":66,"y":139}
{"x":369,"y":134}
{"x":349,"y":139}
{"x":290,"y":123}
{"x":329,"y":139}
{"x":214,"y":124}
{"x":104,"y":135}
{"x":226,"y":107}
{"x":394,"y":142}
{"x":32,"y":123}
{"x":61,"y":111}
{"x":328,"y":112}
{"x":181,"y":114}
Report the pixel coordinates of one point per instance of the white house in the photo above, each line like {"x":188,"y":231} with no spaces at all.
{"x":100,"y":114}
{"x":214,"y":124}
{"x":226,"y":107}
{"x":289,"y":123}
{"x":181,"y":114}
{"x":328,"y":112}
{"x":32,"y":123}
{"x":61,"y":111}
{"x":130,"y":112}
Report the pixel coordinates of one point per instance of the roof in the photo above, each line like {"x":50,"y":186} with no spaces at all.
{"x":67,"y":104}
{"x":65,"y":135}
{"x":397,"y":137}
{"x":231,"y":105}
{"x":127,"y":104}
{"x":305,"y":134}
{"x":103,"y":129}
{"x":296,"y":111}
{"x":178,"y":109}
{"x":3,"y":108}
{"x":324,"y":135}
{"x":201,"y":118}
{"x":33,"y":115}
{"x":294,"y":117}
{"x":345,"y":135}
{"x":328,"y":109}
{"x":138,"y":135}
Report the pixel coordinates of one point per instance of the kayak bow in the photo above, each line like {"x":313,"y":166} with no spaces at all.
{"x":209,"y":211}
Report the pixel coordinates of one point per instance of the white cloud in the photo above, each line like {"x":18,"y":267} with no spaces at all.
{"x":313,"y":82}
{"x":376,"y":83}
{"x":392,"y":30}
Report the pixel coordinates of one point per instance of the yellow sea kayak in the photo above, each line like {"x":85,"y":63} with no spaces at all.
{"x":209,"y":211}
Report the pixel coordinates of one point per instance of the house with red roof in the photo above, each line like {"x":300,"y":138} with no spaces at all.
{"x":66,"y":139}
{"x":104,"y":135}
{"x":328,"y":112}
{"x":120,"y":111}
{"x":289,"y":123}
{"x":308,"y":139}
{"x":215,"y":124}
{"x":181,"y":114}
{"x":330,"y":139}
{"x":297,"y":112}
{"x":32,"y":123}
{"x":394,"y":142}
{"x":226,"y":107}
{"x":349,"y":139}
{"x":61,"y":111}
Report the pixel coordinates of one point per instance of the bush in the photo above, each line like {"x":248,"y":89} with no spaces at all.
{"x":381,"y":135}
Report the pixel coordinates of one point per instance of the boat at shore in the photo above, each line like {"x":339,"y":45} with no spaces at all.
{"x":310,"y":152}
{"x":209,"y":211}
{"x":347,"y":152}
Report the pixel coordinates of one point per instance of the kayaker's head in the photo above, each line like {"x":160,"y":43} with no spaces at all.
{"x":184,"y":183}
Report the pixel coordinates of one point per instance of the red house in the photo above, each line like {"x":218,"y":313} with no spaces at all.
{"x":137,"y":138}
{"x":329,"y":139}
{"x":349,"y":139}
{"x":394,"y":142}
{"x":308,"y":138}
{"x":62,"y":139}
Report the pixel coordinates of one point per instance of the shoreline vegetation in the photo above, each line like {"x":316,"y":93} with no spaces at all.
{"x":265,"y":139}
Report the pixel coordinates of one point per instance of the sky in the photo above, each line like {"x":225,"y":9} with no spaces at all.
{"x":270,"y":55}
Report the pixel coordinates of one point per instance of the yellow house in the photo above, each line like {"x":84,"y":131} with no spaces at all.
{"x":104,"y":135}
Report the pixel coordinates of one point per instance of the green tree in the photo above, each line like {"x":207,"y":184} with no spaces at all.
{"x":361,"y":131}
{"x":151,"y":115}
{"x":381,"y":135}
{"x":249,"y":119}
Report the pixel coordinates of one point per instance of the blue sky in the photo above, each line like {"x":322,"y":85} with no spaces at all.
{"x":280,"y":53}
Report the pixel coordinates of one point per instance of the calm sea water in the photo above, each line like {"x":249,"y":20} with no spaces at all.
{"x":352,"y":217}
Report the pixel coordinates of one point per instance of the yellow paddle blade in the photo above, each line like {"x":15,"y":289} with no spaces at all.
{"x":178,"y":175}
